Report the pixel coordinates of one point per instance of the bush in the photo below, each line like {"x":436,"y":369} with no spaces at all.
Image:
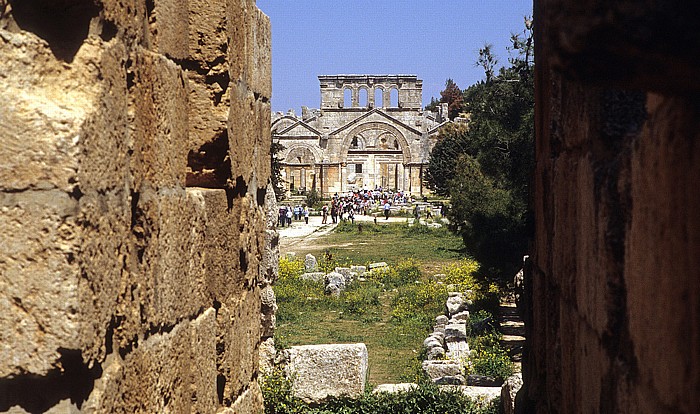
{"x":424,"y":399}
{"x":489,"y":358}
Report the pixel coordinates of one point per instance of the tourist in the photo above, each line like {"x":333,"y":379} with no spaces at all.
{"x":351,"y":215}
{"x":306,"y":214}
{"x":428,"y":212}
{"x":324,"y":214}
{"x":334,"y":213}
{"x":289,"y":215}
{"x":282,"y":216}
{"x":387,"y":208}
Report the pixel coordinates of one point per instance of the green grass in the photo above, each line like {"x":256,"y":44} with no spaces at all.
{"x":363,"y":243}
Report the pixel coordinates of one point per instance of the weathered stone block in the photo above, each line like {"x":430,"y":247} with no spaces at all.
{"x":439,"y":369}
{"x":320,"y":371}
{"x":147,"y":380}
{"x":159,"y":102}
{"x":169,"y":28}
{"x":238,"y":330}
{"x":39,"y":305}
{"x":310,"y":263}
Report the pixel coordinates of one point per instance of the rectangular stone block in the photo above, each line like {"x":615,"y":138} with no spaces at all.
{"x":159,"y":103}
{"x":39,"y":304}
{"x":320,"y":371}
{"x":208,"y":37}
{"x":169,"y":28}
{"x":260,"y":54}
{"x":238,"y":329}
{"x":169,"y":372}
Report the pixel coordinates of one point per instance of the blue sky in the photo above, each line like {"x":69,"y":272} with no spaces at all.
{"x":433,"y":39}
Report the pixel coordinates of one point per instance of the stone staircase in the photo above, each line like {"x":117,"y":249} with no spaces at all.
{"x":512,"y":327}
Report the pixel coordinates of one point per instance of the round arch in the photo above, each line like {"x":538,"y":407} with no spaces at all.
{"x":403,"y":143}
{"x":302,"y":154}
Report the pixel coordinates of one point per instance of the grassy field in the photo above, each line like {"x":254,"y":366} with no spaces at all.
{"x":391,"y":312}
{"x":391,"y":243}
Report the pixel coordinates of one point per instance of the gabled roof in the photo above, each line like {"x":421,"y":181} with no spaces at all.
{"x":283,"y":118}
{"x":370,"y":113}
{"x":301,"y":124}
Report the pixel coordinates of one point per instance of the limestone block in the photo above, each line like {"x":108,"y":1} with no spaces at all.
{"x":360,"y":270}
{"x":249,"y":137}
{"x":431,"y":342}
{"x":436,"y":353}
{"x":238,"y":329}
{"x":169,"y":28}
{"x":458,"y":350}
{"x":438,"y":369}
{"x":159,"y":99}
{"x":455,"y":303}
{"x":455,"y":332}
{"x":310,"y":263}
{"x":320,"y":371}
{"x":208,"y":107}
{"x":346,"y":272}
{"x":483,"y":381}
{"x":313,"y":276}
{"x":377,"y":265}
{"x":45,"y":105}
{"x":450,"y":380}
{"x":271,"y":206}
{"x":267,"y":355}
{"x":250,"y":401}
{"x":268,"y":310}
{"x":169,"y":230}
{"x":208,"y":37}
{"x":260,"y":52}
{"x":394,"y":388}
{"x":148,"y":380}
{"x":460,"y":317}
{"x":39,"y":303}
{"x":481,"y":395}
{"x":233,"y":243}
{"x":441,"y":320}
{"x":335,"y":283}
{"x":509,"y":390}
{"x":269,"y":262}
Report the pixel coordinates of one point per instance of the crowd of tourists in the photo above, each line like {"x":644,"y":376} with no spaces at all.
{"x":345,"y":206}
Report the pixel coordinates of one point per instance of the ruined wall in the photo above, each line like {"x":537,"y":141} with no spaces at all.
{"x":135,"y":162}
{"x":614,"y":290}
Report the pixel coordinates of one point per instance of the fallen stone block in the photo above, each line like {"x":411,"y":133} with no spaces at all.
{"x":360,"y":270}
{"x":444,"y":368}
{"x":483,"y":381}
{"x":310,"y":263}
{"x":394,"y":388}
{"x":377,"y":265}
{"x":456,"y":303}
{"x":320,"y":371}
{"x":313,"y":276}
{"x":455,"y":332}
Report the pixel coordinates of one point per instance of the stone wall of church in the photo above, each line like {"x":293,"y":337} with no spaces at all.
{"x":135,"y":163}
{"x":614,"y":289}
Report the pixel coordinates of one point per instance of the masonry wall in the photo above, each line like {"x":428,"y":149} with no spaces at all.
{"x":614,"y":286}
{"x":135,"y":144}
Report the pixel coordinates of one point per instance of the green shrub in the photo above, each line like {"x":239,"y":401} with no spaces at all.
{"x":424,"y":399}
{"x":489,"y":358}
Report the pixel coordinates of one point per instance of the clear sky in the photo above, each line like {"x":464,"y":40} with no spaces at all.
{"x":434,"y":39}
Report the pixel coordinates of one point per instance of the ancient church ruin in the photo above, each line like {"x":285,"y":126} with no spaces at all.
{"x":135,"y":141}
{"x":369,"y":132}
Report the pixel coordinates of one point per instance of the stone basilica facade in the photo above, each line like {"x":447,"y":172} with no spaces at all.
{"x":369,"y":132}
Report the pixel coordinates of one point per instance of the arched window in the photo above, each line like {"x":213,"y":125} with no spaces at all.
{"x":378,"y":98}
{"x":363,"y":97}
{"x":394,"y":98}
{"x":396,"y":144}
{"x":347,"y":98}
{"x":354,"y":144}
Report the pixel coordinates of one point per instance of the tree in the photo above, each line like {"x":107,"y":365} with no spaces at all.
{"x":452,"y":96}
{"x":276,"y":170}
{"x":487,"y":60}
{"x":485,"y":168}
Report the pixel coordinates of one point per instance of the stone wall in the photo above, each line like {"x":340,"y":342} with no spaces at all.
{"x":614,"y":289}
{"x":135,"y":162}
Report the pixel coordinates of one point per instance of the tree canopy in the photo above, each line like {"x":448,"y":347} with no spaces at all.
{"x":485,"y":166}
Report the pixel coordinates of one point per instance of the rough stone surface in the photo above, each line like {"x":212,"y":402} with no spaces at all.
{"x":455,"y":332}
{"x":359,"y":270}
{"x":612,"y":292}
{"x":456,"y":303}
{"x":314,"y":276}
{"x":125,"y":288}
{"x":335,"y":283}
{"x":320,"y":371}
{"x":438,"y":369}
{"x":310,"y":263}
{"x":268,"y":355}
{"x":377,"y":265}
{"x":394,"y":388}
{"x":509,"y":390}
